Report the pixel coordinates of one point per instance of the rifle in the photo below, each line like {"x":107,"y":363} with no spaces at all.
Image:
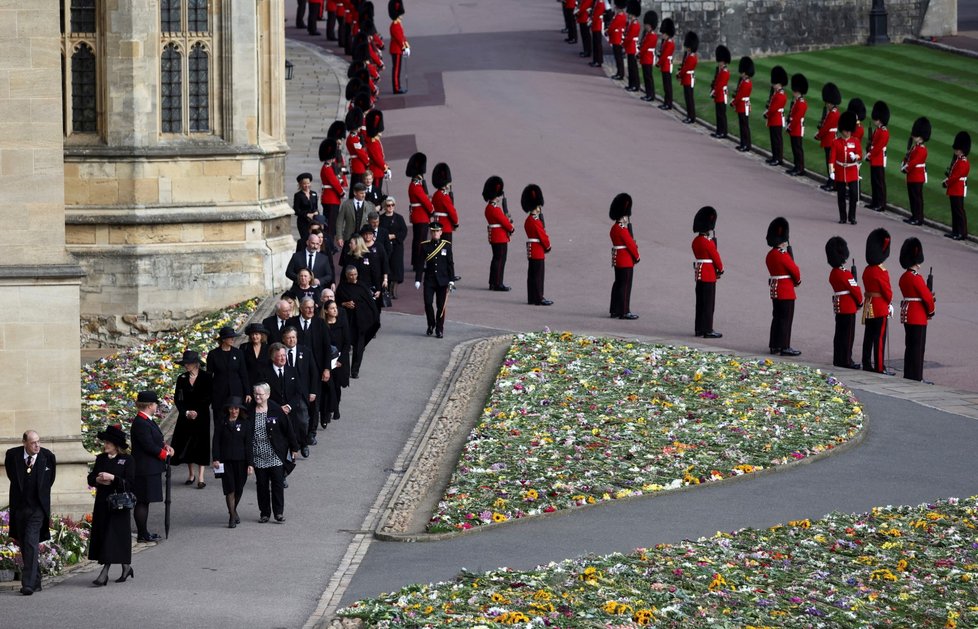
{"x":852,"y":269}
{"x":930,"y":282}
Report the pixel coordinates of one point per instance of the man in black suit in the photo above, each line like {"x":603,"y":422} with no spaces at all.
{"x":31,"y":471}
{"x":437,"y":271}
{"x":149,"y":454}
{"x":278,"y":321}
{"x":372,"y":193}
{"x":290,"y":392}
{"x":319,"y":263}
{"x":381,"y":235}
{"x":303,"y":359}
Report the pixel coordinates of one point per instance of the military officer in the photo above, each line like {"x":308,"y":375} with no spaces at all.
{"x":707,"y":268}
{"x":537,"y":244}
{"x":399,"y":44}
{"x":436,"y":270}
{"x":847,"y":154}
{"x":876,"y":307}
{"x":916,"y":308}
{"x":616,"y":37}
{"x":956,"y":183}
{"x":597,"y":33}
{"x":783,"y":277}
{"x":584,"y":24}
{"x":500,"y":229}
{"x":847,"y":298}
{"x":624,"y":257}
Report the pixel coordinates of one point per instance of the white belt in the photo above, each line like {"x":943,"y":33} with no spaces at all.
{"x":616,"y":247}
{"x":416,"y":205}
{"x":780,"y":277}
{"x":840,"y":293}
{"x":846,"y":163}
{"x":703,"y":261}
{"x":441,"y":214}
{"x":921,"y":166}
{"x":492,"y":225}
{"x":912,"y":299}
{"x":532,"y":240}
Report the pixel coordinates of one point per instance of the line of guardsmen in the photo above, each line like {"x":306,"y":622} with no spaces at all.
{"x":840,"y":134}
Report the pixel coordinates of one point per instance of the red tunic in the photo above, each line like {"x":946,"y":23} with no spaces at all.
{"x":584,"y":11}
{"x":331,"y":6}
{"x":957,"y":181}
{"x":783,"y":274}
{"x":398,"y":43}
{"x":707,"y":264}
{"x":375,"y":153}
{"x":719,"y":88}
{"x":632,"y":34}
{"x":359,"y":161}
{"x":742,"y":97}
{"x":879,"y":294}
{"x":665,"y":55}
{"x":846,"y":158}
{"x":775,"y":109}
{"x":332,"y":188}
{"x":877,"y":147}
{"x":826,"y":133}
{"x":846,"y":296}
{"x":597,"y":17}
{"x":915,"y":165}
{"x":570,"y":4}
{"x":687,"y":73}
{"x":796,"y":118}
{"x":444,"y":211}
{"x":647,"y":49}
{"x":616,"y":30}
{"x":421,"y":207}
{"x":859,"y":132}
{"x":499,"y":225}
{"x":624,"y":251}
{"x":918,"y":303}
{"x":537,"y":241}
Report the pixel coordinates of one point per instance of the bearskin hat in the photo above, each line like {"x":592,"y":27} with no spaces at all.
{"x":691,"y":42}
{"x":366,"y":10}
{"x":327,"y":149}
{"x":417,"y":165}
{"x":360,"y":52}
{"x":621,"y":206}
{"x":705,"y":219}
{"x":337,"y":130}
{"x":531,"y":198}
{"x":777,"y":232}
{"x":911,"y":253}
{"x":746,"y":66}
{"x":353,"y":88}
{"x":374,"y":121}
{"x":395,"y":9}
{"x":921,"y":129}
{"x":634,"y":8}
{"x":847,"y":122}
{"x":877,"y":246}
{"x":722,"y":54}
{"x":668,"y":28}
{"x":621,"y":4}
{"x":354,"y":119}
{"x":354,"y":68}
{"x":831,"y":94}
{"x":779,"y":75}
{"x":799,"y":83}
{"x":441,"y":175}
{"x":492,"y":188}
{"x":651,"y":19}
{"x":858,"y":107}
{"x":881,"y":112}
{"x":962,"y":142}
{"x":836,"y":251}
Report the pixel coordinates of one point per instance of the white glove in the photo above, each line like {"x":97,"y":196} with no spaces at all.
{"x":891,"y":310}
{"x":832,"y":176}
{"x":417,"y":285}
{"x":451,"y":286}
{"x":853,"y":157}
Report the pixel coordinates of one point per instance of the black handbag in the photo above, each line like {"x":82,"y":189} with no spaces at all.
{"x":120,"y":500}
{"x":385,"y":296}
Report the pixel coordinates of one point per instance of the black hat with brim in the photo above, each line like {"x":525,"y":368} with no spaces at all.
{"x":227,"y":332}
{"x":147,"y":397}
{"x":235,"y":402}
{"x":114,"y":434}
{"x":256,"y":328}
{"x":302,"y":176}
{"x":190,"y":357}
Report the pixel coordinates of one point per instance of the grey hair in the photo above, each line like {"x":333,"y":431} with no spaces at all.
{"x":264,"y":387}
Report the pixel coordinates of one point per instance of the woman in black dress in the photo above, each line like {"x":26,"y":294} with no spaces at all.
{"x":361,"y":314}
{"x":234,"y":450}
{"x":305,"y":204}
{"x":255,"y":350}
{"x":229,"y":375}
{"x":192,"y":435}
{"x":397,"y":233}
{"x":110,"y":540}
{"x":274,"y":444}
{"x":339,"y":334}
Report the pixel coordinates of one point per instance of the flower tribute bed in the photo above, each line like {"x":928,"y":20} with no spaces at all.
{"x":109,"y":385}
{"x":68,"y":545}
{"x":577,"y":420}
{"x":895,"y":566}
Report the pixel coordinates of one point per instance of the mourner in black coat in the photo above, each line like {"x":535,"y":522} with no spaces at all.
{"x":322,"y":264}
{"x":362,"y":314}
{"x":255,"y":351}
{"x":149,"y":452}
{"x":234,"y":449}
{"x":289,"y":390}
{"x":229,"y":374}
{"x":31,"y":471}
{"x":275,"y":323}
{"x":339,"y":333}
{"x":305,"y":204}
{"x":396,"y":235}
{"x":192,"y":434}
{"x":114,"y":472}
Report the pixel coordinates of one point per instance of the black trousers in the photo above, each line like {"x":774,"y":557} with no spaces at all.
{"x":649,"y":81}
{"x":777,"y":143}
{"x":690,"y":101}
{"x":340,"y":34}
{"x":744,"y":124}
{"x":535,"y":272}
{"x":721,"y":113}
{"x":313,"y":414}
{"x":30,"y":575}
{"x":913,"y":355}
{"x":357,"y":347}
{"x":828,"y":160}
{"x":234,"y":478}
{"x":619,"y":53}
{"x":877,"y":182}
{"x":434,"y":305}
{"x":783,"y":314}
{"x":299,"y":416}
{"x":419,"y":232}
{"x":633,"y":72}
{"x":798,"y":152}
{"x":667,"y":88}
{"x":959,"y":220}
{"x":597,"y":48}
{"x":312,"y":22}
{"x":332,"y":394}
{"x":569,"y":24}
{"x":300,"y":11}
{"x":347,"y":38}
{"x":355,"y":178}
{"x":497,"y":266}
{"x":706,"y":294}
{"x":916,"y":193}
{"x":331,"y":26}
{"x":329,"y":213}
{"x":396,"y":71}
{"x":585,"y":39}
{"x":874,"y":344}
{"x":845,"y":336}
{"x":270,"y":483}
{"x":844,"y":190}
{"x":621,"y":292}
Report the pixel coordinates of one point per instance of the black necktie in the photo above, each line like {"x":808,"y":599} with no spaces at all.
{"x":291,"y":358}
{"x":281,"y":379}
{"x":305,"y":325}
{"x":30,"y":463}
{"x":311,"y":256}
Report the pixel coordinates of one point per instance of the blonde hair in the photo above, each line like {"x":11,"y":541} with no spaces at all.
{"x":358,"y":248}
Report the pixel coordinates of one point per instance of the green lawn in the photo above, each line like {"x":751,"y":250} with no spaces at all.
{"x":913,"y":80}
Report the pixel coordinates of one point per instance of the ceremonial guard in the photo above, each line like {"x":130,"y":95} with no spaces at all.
{"x":647,"y":52}
{"x":916,"y":308}
{"x":956,"y":182}
{"x":632,"y":33}
{"x":858,"y":107}
{"x":597,"y":33}
{"x":569,"y":24}
{"x":707,"y":268}
{"x":687,"y":74}
{"x":827,"y":128}
{"x":584,"y":24}
{"x":796,"y":124}
{"x":741,"y":102}
{"x":876,"y":307}
{"x":399,"y":44}
{"x":915,"y":165}
{"x":443,"y":201}
{"x":330,"y":20}
{"x":719,"y":90}
{"x":500,"y":229}
{"x":436,"y":270}
{"x":359,"y":160}
{"x":666,"y":50}
{"x":783,"y":277}
{"x":847,"y":155}
{"x":537,"y":245}
{"x":847,"y":298}
{"x":420,"y":204}
{"x":624,"y":257}
{"x":876,"y":152}
{"x":374,"y":123}
{"x":775,"y":114}
{"x":616,"y":37}
{"x":332,"y":194}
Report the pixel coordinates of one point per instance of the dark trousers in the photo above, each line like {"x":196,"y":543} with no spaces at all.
{"x":419,"y":232}
{"x":845,"y":336}
{"x":434,"y":305}
{"x":877,"y":182}
{"x":777,"y":143}
{"x":355,"y":178}
{"x":706,"y":294}
{"x":649,"y":81}
{"x":270,"y":480}
{"x":597,"y":48}
{"x":357,"y":347}
{"x":396,"y":71}
{"x":569,"y":24}
{"x":585,"y":39}
{"x":843,"y":190}
{"x":633,"y":72}
{"x":534,"y":281}
{"x":331,"y":26}
{"x":744,"y":124}
{"x":347,"y":38}
{"x":299,"y":416}
{"x":913,"y":355}
{"x":33,"y":518}
{"x":330,"y":405}
{"x":234,"y":478}
{"x":619,"y":53}
{"x":300,"y":11}
{"x":783,"y":313}
{"x":497,"y":266}
{"x":312,"y":22}
{"x":621,"y":292}
{"x":667,"y":88}
{"x":828,"y":160}
{"x":329,"y":213}
{"x":721,"y":113}
{"x":313,"y":413}
{"x":340,"y":34}
{"x":959,"y":220}
{"x":915,"y":191}
{"x":798,"y":152}
{"x":874,"y":344}
{"x":690,"y":102}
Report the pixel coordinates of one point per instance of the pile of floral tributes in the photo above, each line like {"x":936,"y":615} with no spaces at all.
{"x":575,"y":420}
{"x":109,"y":385}
{"x":895,"y":566}
{"x":68,"y":545}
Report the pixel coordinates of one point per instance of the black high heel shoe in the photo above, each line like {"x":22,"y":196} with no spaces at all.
{"x":103,"y":578}
{"x":126,"y":573}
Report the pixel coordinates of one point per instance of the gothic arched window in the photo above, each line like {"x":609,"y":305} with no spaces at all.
{"x":197,"y":16}
{"x":82,"y":16}
{"x":171,"y":113}
{"x":199,"y":95}
{"x":84,"y":118}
